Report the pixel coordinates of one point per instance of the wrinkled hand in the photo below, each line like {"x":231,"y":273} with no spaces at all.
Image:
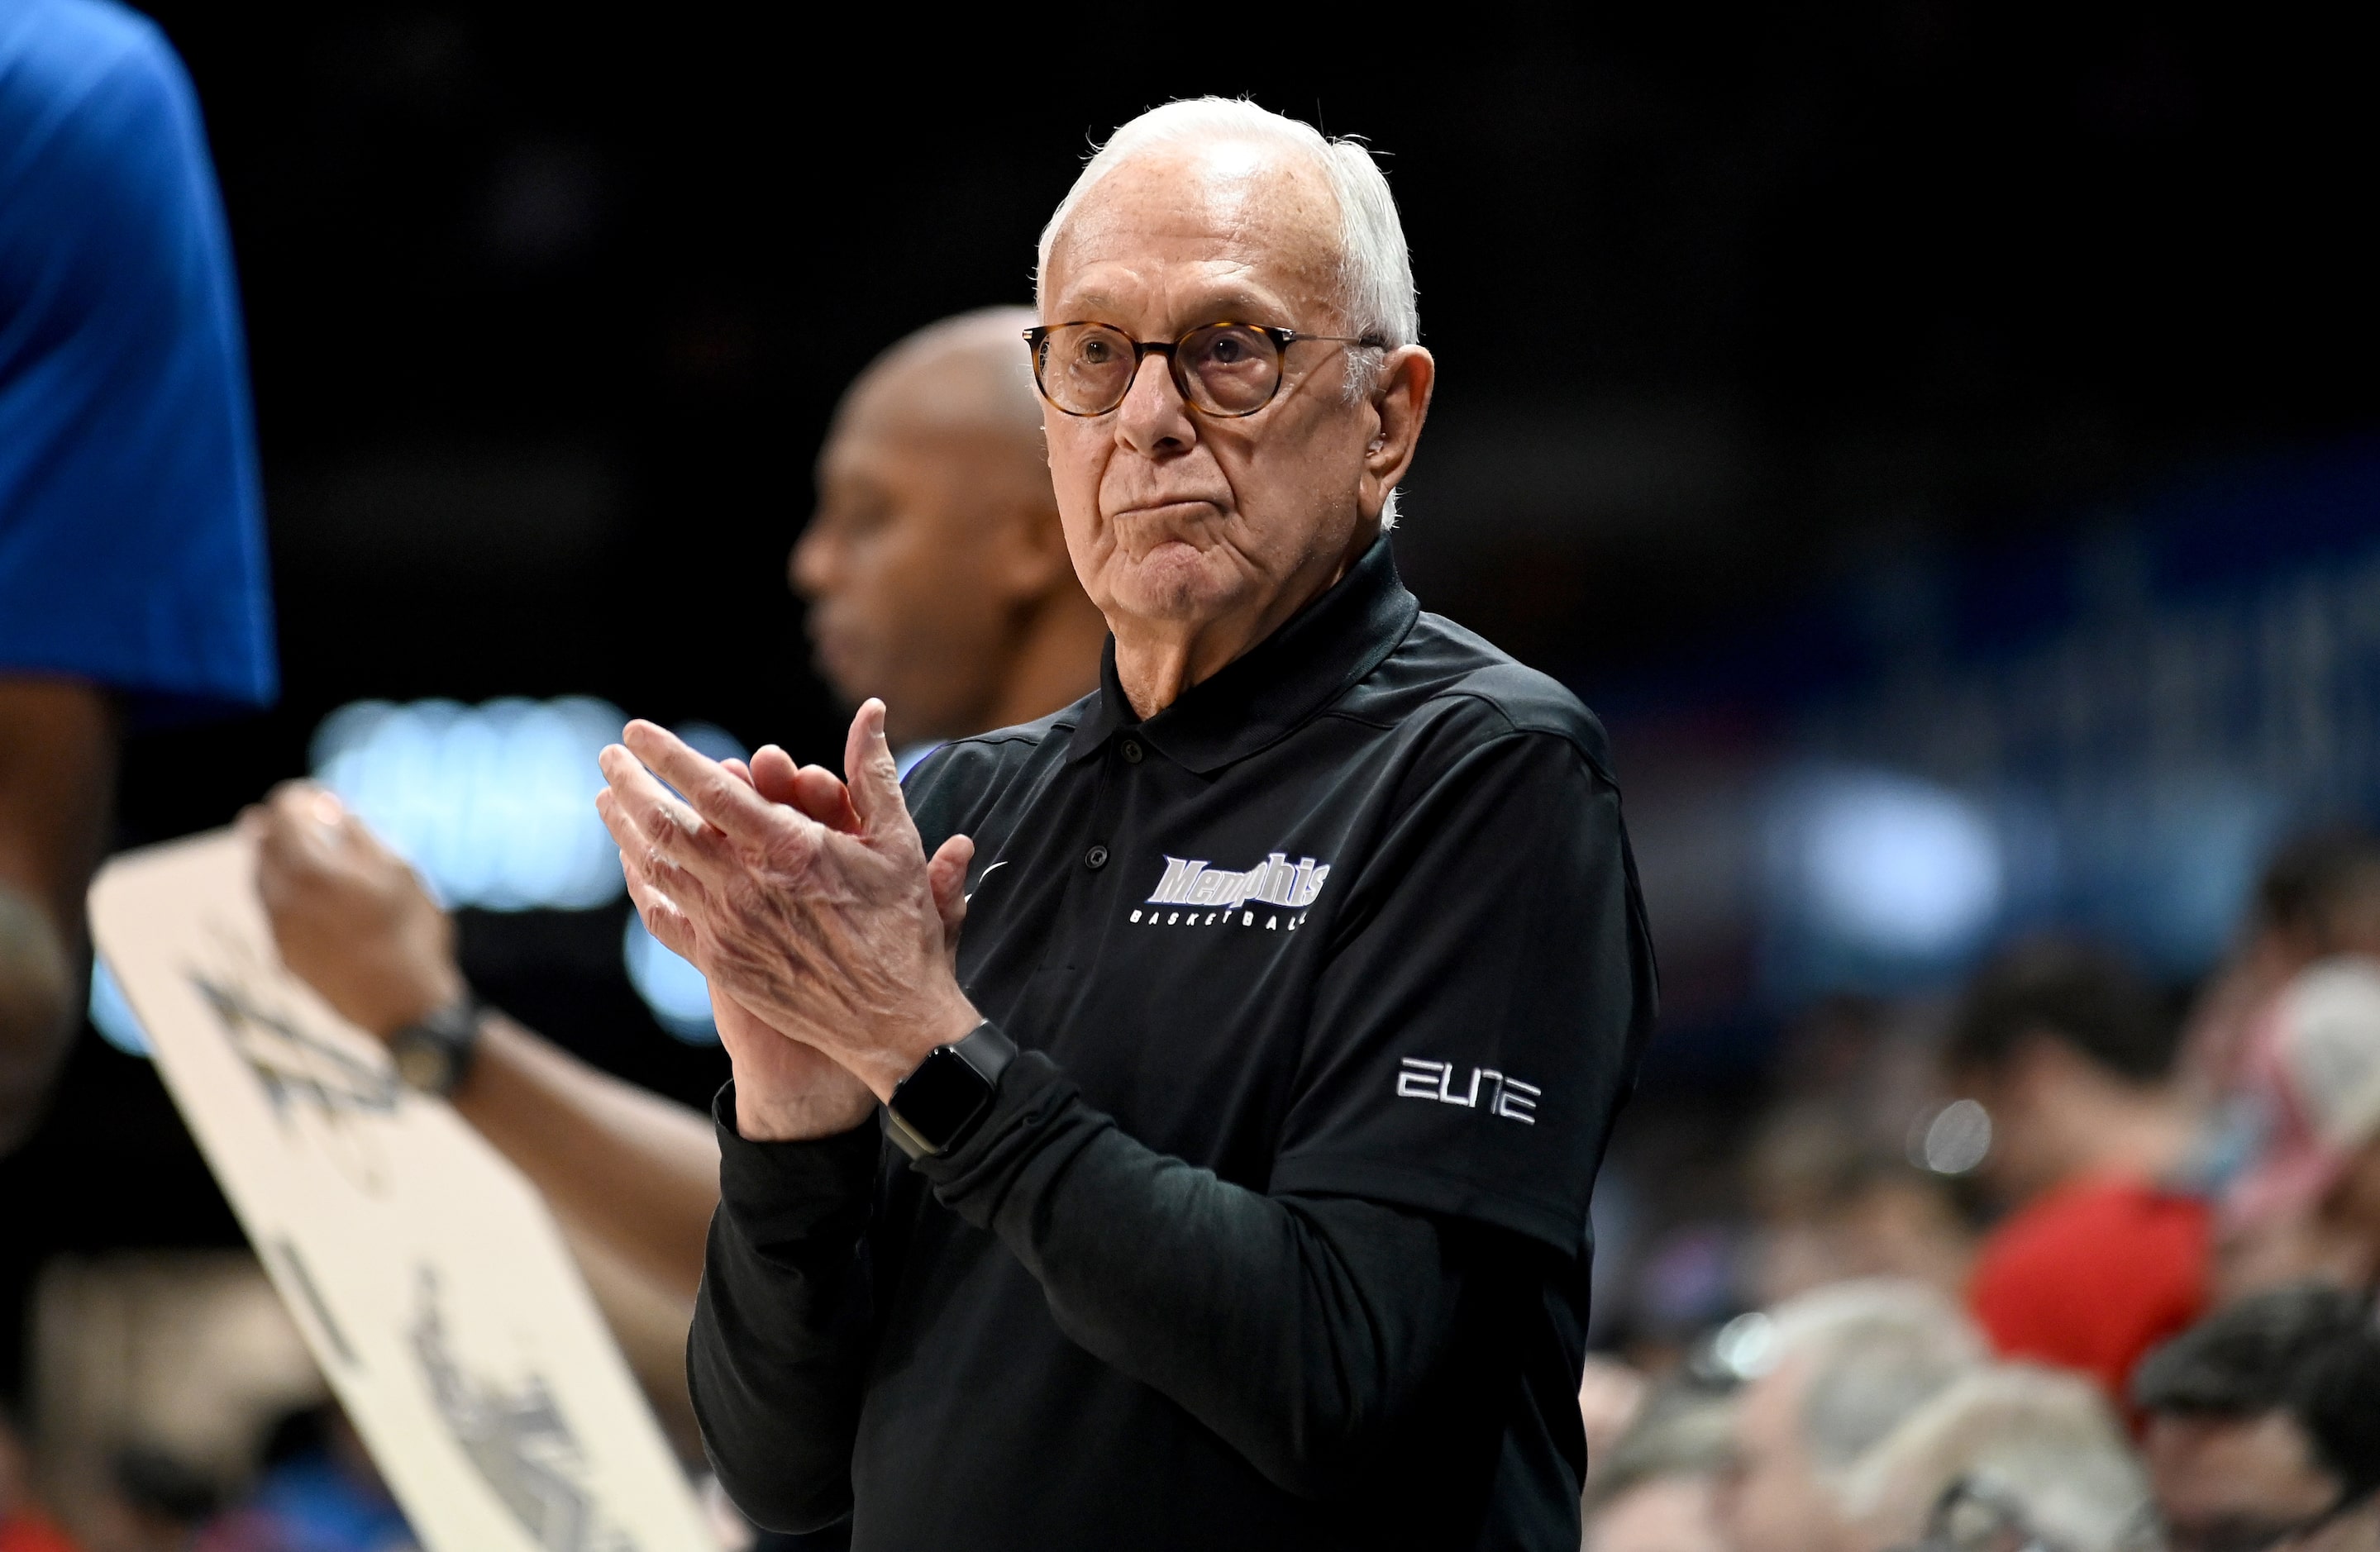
{"x":786,"y":1090}
{"x":807,"y":902}
{"x":351,"y":919}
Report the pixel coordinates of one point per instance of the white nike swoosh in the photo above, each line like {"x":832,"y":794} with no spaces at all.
{"x":985,"y":873}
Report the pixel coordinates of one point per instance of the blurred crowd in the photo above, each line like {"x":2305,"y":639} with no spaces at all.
{"x":2070,"y":1262}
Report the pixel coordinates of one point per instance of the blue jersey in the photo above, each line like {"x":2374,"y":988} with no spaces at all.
{"x":131,"y":533}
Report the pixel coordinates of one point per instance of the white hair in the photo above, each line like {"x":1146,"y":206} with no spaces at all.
{"x":1375,"y":268}
{"x":2043,"y":1442}
{"x":1874,"y":1351}
{"x":1376,"y":282}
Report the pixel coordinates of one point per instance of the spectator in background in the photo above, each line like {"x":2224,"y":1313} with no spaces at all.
{"x":2100,"y":1258}
{"x":2309,"y":1203}
{"x":1656,"y":1489}
{"x":23,"y":1525}
{"x":2319,"y":897}
{"x":2264,"y":1426}
{"x":1831,"y":1373}
{"x":1832,"y":1205}
{"x":936,"y":572}
{"x":132,"y":573}
{"x":953,"y":611}
{"x":2035,"y":1455}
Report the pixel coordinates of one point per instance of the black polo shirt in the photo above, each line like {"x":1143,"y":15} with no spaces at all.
{"x":1353,"y":918}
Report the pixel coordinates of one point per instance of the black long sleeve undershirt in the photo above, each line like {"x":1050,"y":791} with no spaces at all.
{"x":1302,"y":1330}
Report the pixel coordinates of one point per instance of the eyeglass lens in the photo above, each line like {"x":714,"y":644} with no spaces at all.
{"x":1225,"y":369}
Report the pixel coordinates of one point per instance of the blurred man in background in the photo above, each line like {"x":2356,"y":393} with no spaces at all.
{"x":2100,"y":1258}
{"x":935,"y":568}
{"x":2308,"y":1205}
{"x":937,"y":573}
{"x":2007,"y":1456}
{"x":1655,"y":1488}
{"x":132,"y":572}
{"x":1833,"y":1372}
{"x":2264,"y":1426}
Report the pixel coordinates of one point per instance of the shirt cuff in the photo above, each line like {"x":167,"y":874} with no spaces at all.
{"x":783,"y":1194}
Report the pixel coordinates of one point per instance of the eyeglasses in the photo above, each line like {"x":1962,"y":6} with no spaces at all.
{"x":1973,"y":1515}
{"x":1227,"y":369}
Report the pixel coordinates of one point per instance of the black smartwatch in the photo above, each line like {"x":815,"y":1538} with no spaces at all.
{"x":935,"y":1107}
{"x":434,"y":1054}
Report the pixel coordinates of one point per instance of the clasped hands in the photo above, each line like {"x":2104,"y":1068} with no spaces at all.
{"x":829,"y":938}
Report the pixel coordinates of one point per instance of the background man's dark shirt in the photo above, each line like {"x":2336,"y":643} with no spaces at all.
{"x":1331,"y":978}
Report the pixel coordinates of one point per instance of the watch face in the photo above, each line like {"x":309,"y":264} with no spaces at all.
{"x":423,"y":1065}
{"x":938,"y":1099}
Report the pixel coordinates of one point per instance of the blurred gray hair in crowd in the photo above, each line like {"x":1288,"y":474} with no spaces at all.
{"x":2044,"y":1443}
{"x":1874,"y":1351}
{"x":1677,"y":1433}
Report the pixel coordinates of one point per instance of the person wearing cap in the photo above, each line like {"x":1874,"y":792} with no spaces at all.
{"x":2308,"y":1204}
{"x":1245,"y":1036}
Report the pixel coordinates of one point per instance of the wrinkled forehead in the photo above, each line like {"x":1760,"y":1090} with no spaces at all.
{"x":1236,"y":211}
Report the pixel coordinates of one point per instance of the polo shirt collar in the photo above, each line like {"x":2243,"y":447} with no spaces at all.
{"x":1272,"y":689}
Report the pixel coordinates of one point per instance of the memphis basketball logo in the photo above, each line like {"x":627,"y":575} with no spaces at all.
{"x":1204,"y":893}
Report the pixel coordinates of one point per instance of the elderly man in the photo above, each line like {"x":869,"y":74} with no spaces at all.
{"x":2007,"y":1456}
{"x":1232,"y":1184}
{"x":936,"y":571}
{"x":1830,"y":1374}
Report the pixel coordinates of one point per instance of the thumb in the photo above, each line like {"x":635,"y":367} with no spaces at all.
{"x":873,"y":776}
{"x":946,"y":875}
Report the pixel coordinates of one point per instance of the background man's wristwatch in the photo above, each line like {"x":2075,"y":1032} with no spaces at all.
{"x":935,"y":1107}
{"x":434,"y":1053}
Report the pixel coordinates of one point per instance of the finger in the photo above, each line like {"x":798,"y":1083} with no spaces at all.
{"x":664,"y":826}
{"x":773,"y":773}
{"x":669,"y":924}
{"x":875,"y":776}
{"x":306,"y":813}
{"x":946,"y":873}
{"x":639,"y":856}
{"x":820,"y":794}
{"x":730,"y":804}
{"x":296,"y":790}
{"x":738,"y":770}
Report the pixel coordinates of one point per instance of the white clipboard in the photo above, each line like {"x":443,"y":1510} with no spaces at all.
{"x":425,"y":1272}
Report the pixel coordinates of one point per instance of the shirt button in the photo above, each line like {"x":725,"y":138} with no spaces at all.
{"x":1096,"y":858}
{"x":1132,"y":751}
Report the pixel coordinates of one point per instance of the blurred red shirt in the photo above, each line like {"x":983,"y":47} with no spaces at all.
{"x":31,"y":1535}
{"x":2091,"y":1274}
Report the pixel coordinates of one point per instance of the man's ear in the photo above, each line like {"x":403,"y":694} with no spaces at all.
{"x":1400,"y":403}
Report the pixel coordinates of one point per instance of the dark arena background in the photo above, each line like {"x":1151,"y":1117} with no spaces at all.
{"x":1940,"y":439}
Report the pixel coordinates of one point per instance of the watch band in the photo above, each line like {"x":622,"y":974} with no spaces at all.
{"x":934,"y":1109}
{"x":434,"y":1055}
